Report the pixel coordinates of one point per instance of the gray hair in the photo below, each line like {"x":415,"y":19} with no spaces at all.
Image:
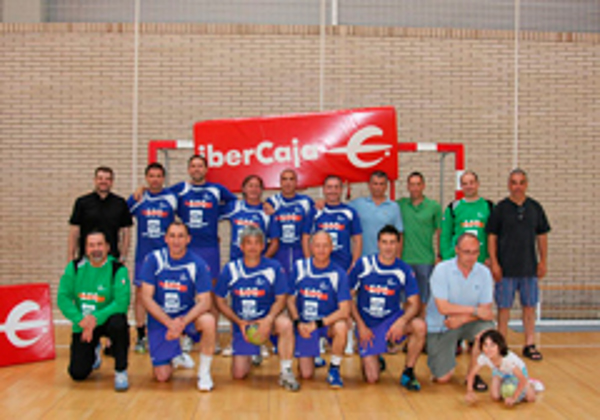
{"x":518,"y":171}
{"x":252,"y":231}
{"x":464,"y":236}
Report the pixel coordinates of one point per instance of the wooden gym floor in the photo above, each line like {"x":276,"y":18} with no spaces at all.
{"x":44,"y":390}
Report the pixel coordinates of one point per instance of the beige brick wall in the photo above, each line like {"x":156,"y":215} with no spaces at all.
{"x":66,"y":107}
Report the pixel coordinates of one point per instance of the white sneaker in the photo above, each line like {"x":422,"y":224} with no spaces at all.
{"x":537,"y":385}
{"x":227,"y":351}
{"x":264,"y":352}
{"x":186,"y":344}
{"x":257,"y":360}
{"x":288,"y":381}
{"x":205,"y":383}
{"x":183,"y":361}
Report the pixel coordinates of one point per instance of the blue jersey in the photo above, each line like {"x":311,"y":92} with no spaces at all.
{"x":318,"y":291}
{"x":153,"y":213}
{"x":241,"y":214}
{"x":291,"y":219}
{"x":198,"y":207}
{"x":380,"y":288}
{"x":176,"y":282}
{"x":253,"y":290}
{"x":342,"y":223}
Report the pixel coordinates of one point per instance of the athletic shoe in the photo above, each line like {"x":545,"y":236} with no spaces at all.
{"x":320,"y":362}
{"x":537,"y":385}
{"x":264,"y":351}
{"x":382,"y":363}
{"x":205,"y":383}
{"x":98,"y":353}
{"x":183,"y":361}
{"x":334,"y":378}
{"x":186,"y":344}
{"x":121,"y":381}
{"x":410,"y":383}
{"x":227,"y":352}
{"x":288,"y":381}
{"x":217,"y":348}
{"x":141,"y":346}
{"x":257,"y":360}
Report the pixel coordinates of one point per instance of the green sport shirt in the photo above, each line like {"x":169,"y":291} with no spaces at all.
{"x":420,"y":223}
{"x":469,"y":216}
{"x":93,"y":291}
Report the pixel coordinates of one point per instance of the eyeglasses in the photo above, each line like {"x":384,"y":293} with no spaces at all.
{"x":520,"y":213}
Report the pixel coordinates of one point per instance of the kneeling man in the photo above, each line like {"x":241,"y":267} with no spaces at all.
{"x":176,"y":285}
{"x":258,"y":289}
{"x":379,"y":281}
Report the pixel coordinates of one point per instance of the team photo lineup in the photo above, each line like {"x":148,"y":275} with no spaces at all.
{"x":309,"y":281}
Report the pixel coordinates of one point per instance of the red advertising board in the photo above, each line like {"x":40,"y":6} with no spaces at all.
{"x":26,"y":329}
{"x":349,"y":143}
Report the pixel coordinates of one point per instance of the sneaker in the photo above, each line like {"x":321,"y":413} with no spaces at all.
{"x":410,"y":383}
{"x":218,"y":348}
{"x":98,"y":353}
{"x":226,"y":352}
{"x":257,"y":360}
{"x":334,"y":378}
{"x":288,"y":381}
{"x":264,"y":352}
{"x":186,"y":344}
{"x":121,"y":381}
{"x":205,"y":383}
{"x":537,"y":385}
{"x":320,"y":362}
{"x":382,"y":363}
{"x":141,"y":346}
{"x":183,"y":361}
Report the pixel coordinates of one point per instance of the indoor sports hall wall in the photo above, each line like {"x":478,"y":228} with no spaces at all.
{"x":66,"y":107}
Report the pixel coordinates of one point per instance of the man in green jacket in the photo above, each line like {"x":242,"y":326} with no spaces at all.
{"x":94,"y":295}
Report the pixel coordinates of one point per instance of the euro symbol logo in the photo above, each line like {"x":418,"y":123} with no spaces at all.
{"x":14,"y":324}
{"x":355,"y":146}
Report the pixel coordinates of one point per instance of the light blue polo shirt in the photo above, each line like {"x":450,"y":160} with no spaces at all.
{"x":448,"y":283}
{"x":373,"y":217}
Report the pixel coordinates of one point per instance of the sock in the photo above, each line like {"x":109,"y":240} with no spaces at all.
{"x":286,"y":366}
{"x":336,"y":361}
{"x":141,"y":332}
{"x":205,"y":362}
{"x":408,"y":371}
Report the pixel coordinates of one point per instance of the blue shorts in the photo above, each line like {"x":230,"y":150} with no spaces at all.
{"x":240,"y":346}
{"x":138,"y":269}
{"x":309,"y":347}
{"x":504,"y":291}
{"x":163,"y":350}
{"x":422,"y":274}
{"x":212,"y":257}
{"x":287,"y":256}
{"x":379,"y":342}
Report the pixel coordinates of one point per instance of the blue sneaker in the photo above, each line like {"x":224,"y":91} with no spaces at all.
{"x":121,"y":381}
{"x":334,"y":378}
{"x":410,"y":383}
{"x":98,"y":353}
{"x":320,"y":362}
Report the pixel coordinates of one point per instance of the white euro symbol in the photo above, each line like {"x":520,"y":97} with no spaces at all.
{"x":355,"y":146}
{"x":14,"y":324}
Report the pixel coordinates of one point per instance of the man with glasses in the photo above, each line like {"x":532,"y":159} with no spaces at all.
{"x":518,"y":247}
{"x":460,"y":308}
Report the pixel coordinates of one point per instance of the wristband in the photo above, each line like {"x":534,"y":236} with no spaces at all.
{"x":319,"y":323}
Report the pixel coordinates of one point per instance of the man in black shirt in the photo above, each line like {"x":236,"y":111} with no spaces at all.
{"x":104,"y":211}
{"x":517,"y":231}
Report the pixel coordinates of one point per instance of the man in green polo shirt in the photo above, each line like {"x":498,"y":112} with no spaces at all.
{"x":421,"y":217}
{"x":94,"y":295}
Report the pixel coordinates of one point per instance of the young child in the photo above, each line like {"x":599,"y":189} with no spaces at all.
{"x":506,"y":367}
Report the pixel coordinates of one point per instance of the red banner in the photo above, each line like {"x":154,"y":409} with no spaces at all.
{"x":351,"y":144}
{"x":26,"y":329}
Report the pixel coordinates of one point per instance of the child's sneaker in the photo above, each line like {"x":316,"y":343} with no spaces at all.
{"x":334,"y":378}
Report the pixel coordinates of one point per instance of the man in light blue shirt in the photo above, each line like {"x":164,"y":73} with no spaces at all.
{"x":376,"y":211}
{"x":460,"y":308}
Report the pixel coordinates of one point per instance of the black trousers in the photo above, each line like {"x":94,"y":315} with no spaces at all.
{"x":83,"y":354}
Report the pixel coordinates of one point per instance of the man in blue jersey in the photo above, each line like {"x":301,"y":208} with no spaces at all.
{"x":341,"y":222}
{"x":292,"y":214}
{"x":319,"y":305}
{"x":249,"y":212}
{"x":154,"y":212}
{"x":258,"y":290}
{"x":176,"y":293}
{"x":379,"y":282}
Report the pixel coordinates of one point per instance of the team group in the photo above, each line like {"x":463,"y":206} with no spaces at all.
{"x":300,"y":272}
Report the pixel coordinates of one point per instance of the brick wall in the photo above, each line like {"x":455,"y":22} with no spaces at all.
{"x":67,"y":107}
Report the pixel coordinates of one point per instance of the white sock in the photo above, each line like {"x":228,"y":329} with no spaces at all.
{"x":336,"y":360}
{"x":350,"y":342}
{"x":205,"y":362}
{"x":286,"y":366}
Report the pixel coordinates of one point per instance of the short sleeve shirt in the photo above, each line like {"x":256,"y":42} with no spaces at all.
{"x":509,"y":363}
{"x":373,"y":217}
{"x":420,"y":224}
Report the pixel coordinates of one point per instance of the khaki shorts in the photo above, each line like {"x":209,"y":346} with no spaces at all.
{"x":441,"y":347}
